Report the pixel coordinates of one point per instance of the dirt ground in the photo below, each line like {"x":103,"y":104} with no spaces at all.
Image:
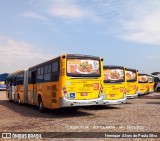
{"x":137,"y":115}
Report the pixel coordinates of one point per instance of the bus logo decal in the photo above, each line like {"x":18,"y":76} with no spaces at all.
{"x":72,"y":95}
{"x":68,"y":83}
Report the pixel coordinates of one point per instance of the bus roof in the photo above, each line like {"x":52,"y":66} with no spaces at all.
{"x":142,"y":74}
{"x":113,"y":66}
{"x":81,"y":56}
{"x":131,"y":69}
{"x":15,"y":73}
{"x":66,"y":55}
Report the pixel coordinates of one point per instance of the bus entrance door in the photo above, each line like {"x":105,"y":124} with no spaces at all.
{"x":33,"y":88}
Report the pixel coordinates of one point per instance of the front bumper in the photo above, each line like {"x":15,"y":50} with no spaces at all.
{"x":114,"y":102}
{"x":151,"y":91}
{"x":132,"y":95}
{"x":72,"y":103}
{"x":143,"y":93}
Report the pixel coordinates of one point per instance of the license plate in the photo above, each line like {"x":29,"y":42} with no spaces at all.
{"x":112,"y":95}
{"x":84,"y":94}
{"x":112,"y":92}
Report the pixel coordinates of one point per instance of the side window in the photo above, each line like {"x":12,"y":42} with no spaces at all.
{"x":29,"y":77}
{"x":39,"y":71}
{"x":55,"y":71}
{"x":46,"y":69}
{"x":55,"y":67}
{"x":13,"y":81}
{"x":22,"y":78}
{"x":34,"y":76}
{"x":42,"y":69}
{"x":49,"y":68}
{"x":18,"y":80}
{"x":47,"y":73}
{"x":40,"y":74}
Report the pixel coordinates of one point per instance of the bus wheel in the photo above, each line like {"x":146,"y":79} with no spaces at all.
{"x":9,"y":98}
{"x":40,"y":105}
{"x":19,"y":100}
{"x":74,"y":108}
{"x":158,"y":89}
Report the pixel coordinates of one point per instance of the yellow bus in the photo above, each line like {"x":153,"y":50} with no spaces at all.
{"x":131,"y":83}
{"x":69,"y":80}
{"x":151,"y":83}
{"x":143,"y":87}
{"x":17,"y":86}
{"x":114,"y":85}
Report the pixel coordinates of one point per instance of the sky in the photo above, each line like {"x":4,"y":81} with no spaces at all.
{"x":123,"y":32}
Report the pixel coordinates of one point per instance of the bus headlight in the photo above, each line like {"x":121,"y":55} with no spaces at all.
{"x":101,"y":92}
{"x":105,"y":97}
{"x":65,"y":93}
{"x":66,"y":96}
{"x":137,"y":90}
{"x":125,"y":93}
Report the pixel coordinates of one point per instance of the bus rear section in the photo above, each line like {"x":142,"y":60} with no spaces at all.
{"x":82,"y":81}
{"x":143,"y":87}
{"x":66,"y":81}
{"x":114,"y":85}
{"x":131,"y":83}
{"x":151,"y":83}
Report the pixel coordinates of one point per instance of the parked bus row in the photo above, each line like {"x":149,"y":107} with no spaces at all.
{"x":76,"y":80}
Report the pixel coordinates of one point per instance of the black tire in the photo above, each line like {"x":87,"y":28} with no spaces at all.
{"x":9,"y":98}
{"x":40,"y":105}
{"x":74,"y":109}
{"x":158,"y":89}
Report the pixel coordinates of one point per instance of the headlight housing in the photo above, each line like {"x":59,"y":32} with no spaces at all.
{"x":65,"y":93}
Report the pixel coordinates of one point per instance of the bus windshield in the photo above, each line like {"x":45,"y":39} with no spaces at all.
{"x":143,"y":79}
{"x":113,"y":75}
{"x":131,"y":75}
{"x":88,"y":67}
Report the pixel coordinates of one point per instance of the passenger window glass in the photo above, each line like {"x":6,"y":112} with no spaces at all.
{"x":41,"y":70}
{"x":46,"y":69}
{"x":55,"y":67}
{"x":49,"y":68}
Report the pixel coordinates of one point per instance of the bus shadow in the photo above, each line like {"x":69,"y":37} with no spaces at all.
{"x":156,"y":103}
{"x":128,"y":102}
{"x":149,"y":96}
{"x":32,"y":111}
{"x":101,"y":107}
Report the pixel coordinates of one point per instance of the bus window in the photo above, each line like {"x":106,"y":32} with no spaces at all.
{"x":83,"y":67}
{"x":33,"y":77}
